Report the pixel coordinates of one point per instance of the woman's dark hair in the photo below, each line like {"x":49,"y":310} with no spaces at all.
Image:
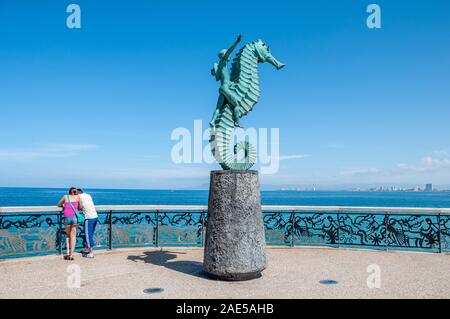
{"x":72,"y":189}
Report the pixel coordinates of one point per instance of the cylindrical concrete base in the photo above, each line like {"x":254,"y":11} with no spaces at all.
{"x":235,"y":242}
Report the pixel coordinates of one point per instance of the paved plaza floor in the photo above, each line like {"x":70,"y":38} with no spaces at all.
{"x":177,"y":273}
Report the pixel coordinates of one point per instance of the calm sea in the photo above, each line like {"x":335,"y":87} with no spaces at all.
{"x":50,"y":196}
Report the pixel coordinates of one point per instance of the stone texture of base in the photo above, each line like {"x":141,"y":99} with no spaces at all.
{"x":235,"y":242}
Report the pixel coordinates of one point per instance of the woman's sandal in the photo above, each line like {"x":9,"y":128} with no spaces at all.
{"x":66,"y":257}
{"x":71,"y":258}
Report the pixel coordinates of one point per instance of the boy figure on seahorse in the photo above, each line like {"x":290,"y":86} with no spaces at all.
{"x":238,"y":94}
{"x":221,"y":73}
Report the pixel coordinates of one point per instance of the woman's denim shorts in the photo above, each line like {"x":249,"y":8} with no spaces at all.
{"x":71,"y":220}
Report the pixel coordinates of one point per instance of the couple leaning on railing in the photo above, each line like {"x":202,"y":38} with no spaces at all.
{"x":78,"y":208}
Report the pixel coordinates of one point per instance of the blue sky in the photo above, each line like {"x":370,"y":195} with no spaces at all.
{"x":95,"y":107}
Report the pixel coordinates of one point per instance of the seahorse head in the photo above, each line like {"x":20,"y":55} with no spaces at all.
{"x":262,"y":52}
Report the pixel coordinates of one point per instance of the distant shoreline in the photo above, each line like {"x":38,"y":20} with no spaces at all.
{"x":205,"y":189}
{"x":32,"y":196}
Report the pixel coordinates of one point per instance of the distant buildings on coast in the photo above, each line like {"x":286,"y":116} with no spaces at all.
{"x":425,"y":188}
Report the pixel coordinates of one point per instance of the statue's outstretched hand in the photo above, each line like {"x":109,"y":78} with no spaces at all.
{"x":239,"y":38}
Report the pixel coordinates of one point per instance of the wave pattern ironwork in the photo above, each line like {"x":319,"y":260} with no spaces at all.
{"x":27,"y":234}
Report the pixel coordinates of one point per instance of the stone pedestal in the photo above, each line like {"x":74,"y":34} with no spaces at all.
{"x":235,"y":242}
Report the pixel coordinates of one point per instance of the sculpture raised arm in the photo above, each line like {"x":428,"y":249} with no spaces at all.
{"x":220,"y":71}
{"x":227,"y":54}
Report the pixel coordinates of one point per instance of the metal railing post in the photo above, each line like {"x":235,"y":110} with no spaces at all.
{"x":339,"y":229}
{"x":386,"y":239}
{"x":202,"y":216}
{"x":293,"y":228}
{"x":157,"y":229}
{"x":60,"y":232}
{"x":110,"y":225}
{"x":439,"y":233}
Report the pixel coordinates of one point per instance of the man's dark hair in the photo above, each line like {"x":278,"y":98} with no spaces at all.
{"x":80,"y":191}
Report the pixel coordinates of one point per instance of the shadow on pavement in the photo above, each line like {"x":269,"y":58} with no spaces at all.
{"x":163,"y":258}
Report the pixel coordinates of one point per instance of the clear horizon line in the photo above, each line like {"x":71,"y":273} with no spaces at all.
{"x":280,"y":189}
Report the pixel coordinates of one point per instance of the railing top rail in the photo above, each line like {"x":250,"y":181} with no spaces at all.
{"x":358,"y":209}
{"x":162,"y":208}
{"x":36,"y":209}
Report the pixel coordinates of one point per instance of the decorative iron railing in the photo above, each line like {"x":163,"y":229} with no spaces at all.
{"x":28,"y":231}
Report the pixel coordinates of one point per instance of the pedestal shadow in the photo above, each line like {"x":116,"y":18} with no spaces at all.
{"x":163,"y":258}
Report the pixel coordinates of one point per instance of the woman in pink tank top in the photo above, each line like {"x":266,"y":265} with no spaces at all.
{"x":70,"y":203}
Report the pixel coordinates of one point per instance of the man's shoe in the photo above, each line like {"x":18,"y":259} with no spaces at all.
{"x":89,"y":255}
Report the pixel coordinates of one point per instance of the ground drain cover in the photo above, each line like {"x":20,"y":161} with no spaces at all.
{"x":153,"y":290}
{"x":328,"y":282}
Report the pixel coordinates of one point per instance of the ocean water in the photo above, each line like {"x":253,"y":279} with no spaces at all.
{"x":51,"y":196}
